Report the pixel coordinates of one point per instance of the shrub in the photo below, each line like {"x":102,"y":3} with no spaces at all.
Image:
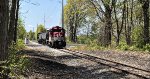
{"x":137,"y":37}
{"x":123,"y":46}
{"x":134,"y":48}
{"x":16,"y":62}
{"x":146,"y":47}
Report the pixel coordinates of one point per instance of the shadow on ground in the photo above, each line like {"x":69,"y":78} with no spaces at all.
{"x":41,"y":68}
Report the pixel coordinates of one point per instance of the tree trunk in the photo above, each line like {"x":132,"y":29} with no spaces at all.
{"x":71,"y":30}
{"x":16,"y":21}
{"x":117,"y":23}
{"x":119,"y":29}
{"x":146,"y":21}
{"x":131,"y":18}
{"x":4,"y":27}
{"x":12,"y":22}
{"x":128,"y":27}
{"x":75,"y":32}
{"x":108,"y":26}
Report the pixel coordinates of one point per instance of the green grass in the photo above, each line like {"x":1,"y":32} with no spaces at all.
{"x":94,"y":46}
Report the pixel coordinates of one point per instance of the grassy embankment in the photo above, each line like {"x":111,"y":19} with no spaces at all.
{"x":92,"y":44}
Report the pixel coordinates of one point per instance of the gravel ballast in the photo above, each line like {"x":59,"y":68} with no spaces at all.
{"x":48,"y":63}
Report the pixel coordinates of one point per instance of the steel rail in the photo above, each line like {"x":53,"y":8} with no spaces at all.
{"x":99,"y":60}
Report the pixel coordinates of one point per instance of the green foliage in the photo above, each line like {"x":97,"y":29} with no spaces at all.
{"x":16,"y":62}
{"x":20,"y":45}
{"x":83,"y":39}
{"x":146,"y":47}
{"x":137,"y":37}
{"x":90,"y":43}
{"x":31,"y":35}
{"x":68,"y":41}
{"x":123,"y":46}
{"x":96,"y":24}
{"x":21,"y":32}
{"x":106,"y":2}
{"x":40,"y":28}
{"x":93,"y":47}
{"x":75,"y":12}
{"x":134,"y":48}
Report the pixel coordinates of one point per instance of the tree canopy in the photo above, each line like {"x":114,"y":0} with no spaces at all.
{"x":109,"y":21}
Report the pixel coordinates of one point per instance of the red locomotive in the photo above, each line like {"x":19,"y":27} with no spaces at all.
{"x":54,"y":37}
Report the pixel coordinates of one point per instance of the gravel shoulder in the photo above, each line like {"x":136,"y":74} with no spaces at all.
{"x":138,"y":60}
{"x":47,"y":63}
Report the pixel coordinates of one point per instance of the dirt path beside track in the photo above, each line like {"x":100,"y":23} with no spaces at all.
{"x":48,"y":63}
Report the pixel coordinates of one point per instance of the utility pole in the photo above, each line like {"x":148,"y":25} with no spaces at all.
{"x":62,"y":13}
{"x":44,"y":20}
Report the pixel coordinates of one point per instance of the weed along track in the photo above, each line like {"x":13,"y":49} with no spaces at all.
{"x":141,"y":73}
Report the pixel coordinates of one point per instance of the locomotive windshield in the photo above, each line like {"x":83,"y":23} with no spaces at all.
{"x":57,"y":30}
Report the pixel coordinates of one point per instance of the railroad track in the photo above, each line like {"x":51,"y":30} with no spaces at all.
{"x":141,"y":73}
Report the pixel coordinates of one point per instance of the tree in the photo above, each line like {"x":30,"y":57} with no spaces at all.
{"x":105,"y":15}
{"x":145,"y":7}
{"x":40,"y":28}
{"x":12,"y":21}
{"x":12,"y":33}
{"x":31,"y":35}
{"x":75,"y":13}
{"x":111,"y":20}
{"x":119,"y":27}
{"x":16,"y":20}
{"x":21,"y":30}
{"x":4,"y":19}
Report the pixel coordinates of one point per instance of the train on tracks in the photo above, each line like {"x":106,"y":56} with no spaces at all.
{"x":54,"y":37}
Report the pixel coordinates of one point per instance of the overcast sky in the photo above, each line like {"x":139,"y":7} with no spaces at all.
{"x":33,"y":13}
